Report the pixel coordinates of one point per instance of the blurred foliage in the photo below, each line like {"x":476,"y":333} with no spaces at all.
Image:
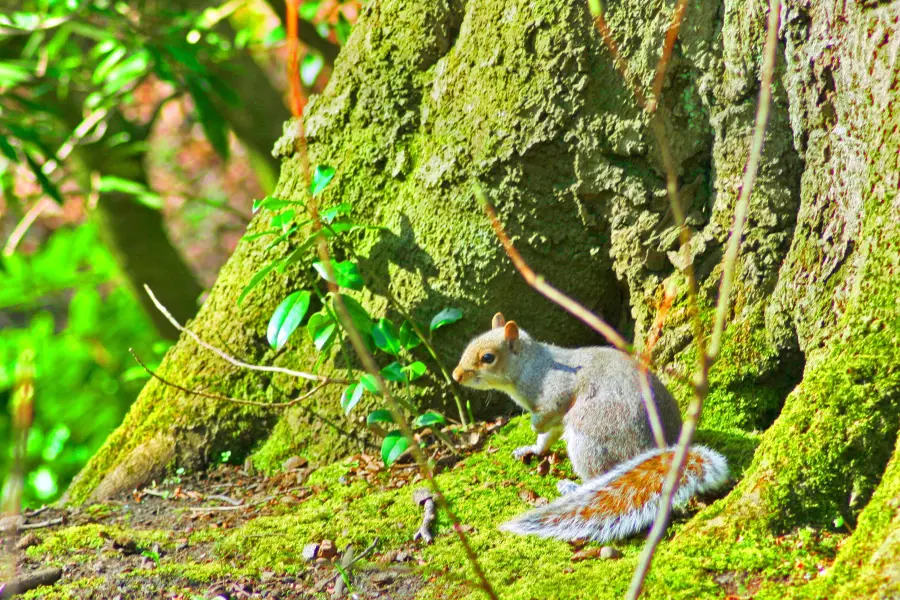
{"x":65,"y":304}
{"x":75,"y":122}
{"x":65,"y":57}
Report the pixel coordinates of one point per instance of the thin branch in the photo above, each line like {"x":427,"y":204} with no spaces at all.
{"x":645,"y":362}
{"x":666,"y":54}
{"x":230,"y":359}
{"x":25,"y":224}
{"x":702,"y":385}
{"x":226,"y":398}
{"x":538,"y":283}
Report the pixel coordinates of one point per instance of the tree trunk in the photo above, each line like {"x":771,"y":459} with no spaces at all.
{"x":523,"y":98}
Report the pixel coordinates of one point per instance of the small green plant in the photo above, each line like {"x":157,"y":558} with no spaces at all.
{"x":324,"y":329}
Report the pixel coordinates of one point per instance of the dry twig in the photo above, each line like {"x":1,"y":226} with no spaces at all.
{"x":225,"y":398}
{"x":230,"y":359}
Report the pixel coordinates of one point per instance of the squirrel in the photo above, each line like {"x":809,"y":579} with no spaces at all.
{"x":591,"y":398}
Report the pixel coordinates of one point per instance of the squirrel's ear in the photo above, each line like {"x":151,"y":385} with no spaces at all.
{"x":511,"y":331}
{"x":498,"y":321}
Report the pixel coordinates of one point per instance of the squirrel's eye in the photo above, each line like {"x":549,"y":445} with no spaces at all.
{"x":487,"y":358}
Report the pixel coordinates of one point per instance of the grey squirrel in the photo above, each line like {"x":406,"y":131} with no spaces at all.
{"x":591,"y":397}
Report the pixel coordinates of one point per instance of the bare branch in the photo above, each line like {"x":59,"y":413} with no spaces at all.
{"x":702,"y":385}
{"x":645,"y":362}
{"x":230,"y":359}
{"x":666,"y":54}
{"x":225,"y":398}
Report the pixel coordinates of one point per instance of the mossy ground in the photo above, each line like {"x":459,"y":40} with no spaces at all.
{"x":485,"y":490}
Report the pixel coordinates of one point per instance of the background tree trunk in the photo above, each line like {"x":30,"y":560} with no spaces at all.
{"x":523,"y":98}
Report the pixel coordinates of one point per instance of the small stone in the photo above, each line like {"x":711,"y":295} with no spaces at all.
{"x":401,"y":557}
{"x":28,"y":541}
{"x":310,"y":552}
{"x":294,"y":462}
{"x":421,"y":495}
{"x":586,"y":553}
{"x":327,"y":549}
{"x":609,"y":553}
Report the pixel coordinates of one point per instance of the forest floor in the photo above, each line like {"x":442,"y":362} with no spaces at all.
{"x":233,"y":534}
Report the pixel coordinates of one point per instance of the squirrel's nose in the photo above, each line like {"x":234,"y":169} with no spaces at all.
{"x":458,"y":373}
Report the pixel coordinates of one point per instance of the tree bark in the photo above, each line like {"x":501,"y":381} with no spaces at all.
{"x":523,"y":97}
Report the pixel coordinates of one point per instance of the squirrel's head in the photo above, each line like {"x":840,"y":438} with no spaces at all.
{"x":485,"y":363}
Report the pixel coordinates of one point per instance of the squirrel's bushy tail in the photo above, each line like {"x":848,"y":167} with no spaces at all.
{"x":624,"y":500}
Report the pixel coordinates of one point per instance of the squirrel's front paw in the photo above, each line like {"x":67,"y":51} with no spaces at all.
{"x":524,"y":453}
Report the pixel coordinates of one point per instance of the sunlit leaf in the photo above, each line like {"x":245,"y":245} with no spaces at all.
{"x":310,"y":68}
{"x":287,"y":318}
{"x":416,"y":370}
{"x":322,"y":176}
{"x":393,"y":372}
{"x":446,"y":317}
{"x":344,"y":273}
{"x":382,"y":415}
{"x":409,"y":339}
{"x":272,"y":203}
{"x":428,"y":419}
{"x":370,"y":383}
{"x":351,"y":397}
{"x":330,"y":214}
{"x":393,"y":445}
{"x":385,"y":336}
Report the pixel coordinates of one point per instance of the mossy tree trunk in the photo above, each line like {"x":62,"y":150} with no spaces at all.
{"x":523,"y":98}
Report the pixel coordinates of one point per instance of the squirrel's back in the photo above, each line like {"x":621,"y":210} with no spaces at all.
{"x":624,"y":500}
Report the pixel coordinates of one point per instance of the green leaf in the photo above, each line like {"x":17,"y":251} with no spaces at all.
{"x":346,"y":274}
{"x":370,"y":383}
{"x":385,"y":336}
{"x":393,"y":445}
{"x":320,"y":328}
{"x":46,"y":185}
{"x":260,"y":275}
{"x":330,"y":214}
{"x":409,"y":339}
{"x":429,"y":418}
{"x":446,"y":317}
{"x":325,"y":337}
{"x":108,"y":183}
{"x":416,"y":370}
{"x":275,"y":36}
{"x":214,"y":126}
{"x":321,"y":178}
{"x":7,"y":149}
{"x":110,"y":61}
{"x":310,"y":68}
{"x":283,"y":218}
{"x":382,"y":415}
{"x":351,"y":397}
{"x":287,"y":318}
{"x":272,"y":203}
{"x":260,"y":234}
{"x":11,"y":74}
{"x":361,"y":319}
{"x":127,"y":71}
{"x":393,"y":372}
